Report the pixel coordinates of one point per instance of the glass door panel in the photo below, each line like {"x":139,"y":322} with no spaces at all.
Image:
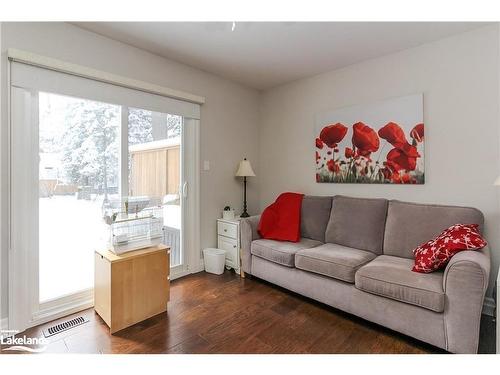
{"x":154,"y":167}
{"x":79,"y":148}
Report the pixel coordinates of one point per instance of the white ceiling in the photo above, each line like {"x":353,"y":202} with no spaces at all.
{"x":266,"y":54}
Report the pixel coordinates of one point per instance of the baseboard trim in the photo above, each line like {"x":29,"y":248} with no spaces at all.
{"x":62,"y":307}
{"x":200,"y":267}
{"x":195,"y":269}
{"x":489,"y":306}
{"x":60,"y":313}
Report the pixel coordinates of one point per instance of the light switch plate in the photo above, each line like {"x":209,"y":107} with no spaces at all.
{"x":206,"y":165}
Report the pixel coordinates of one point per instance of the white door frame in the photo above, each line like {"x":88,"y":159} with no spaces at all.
{"x":22,"y":276}
{"x":190,"y":199}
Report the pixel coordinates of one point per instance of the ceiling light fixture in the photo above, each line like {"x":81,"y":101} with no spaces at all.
{"x":233,"y":26}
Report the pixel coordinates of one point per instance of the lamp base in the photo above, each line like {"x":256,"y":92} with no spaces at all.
{"x":245,"y":214}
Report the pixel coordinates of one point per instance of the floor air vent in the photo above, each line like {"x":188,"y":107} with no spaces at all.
{"x":64,"y":326}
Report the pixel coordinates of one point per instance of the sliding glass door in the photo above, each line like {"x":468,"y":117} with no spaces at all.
{"x":70,"y":157}
{"x":77,"y":145}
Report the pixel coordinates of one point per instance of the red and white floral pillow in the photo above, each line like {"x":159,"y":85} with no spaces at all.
{"x":435,"y":254}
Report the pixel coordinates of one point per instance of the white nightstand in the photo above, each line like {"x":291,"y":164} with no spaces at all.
{"x":228,"y":238}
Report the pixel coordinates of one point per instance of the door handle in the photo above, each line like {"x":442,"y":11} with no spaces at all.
{"x":185,"y":189}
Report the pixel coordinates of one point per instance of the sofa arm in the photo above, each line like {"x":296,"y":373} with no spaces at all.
{"x":248,"y":233}
{"x":465,"y":281}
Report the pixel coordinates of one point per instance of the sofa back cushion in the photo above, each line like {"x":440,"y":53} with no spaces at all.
{"x":357,"y":223}
{"x":408,"y":225}
{"x":314,"y":217}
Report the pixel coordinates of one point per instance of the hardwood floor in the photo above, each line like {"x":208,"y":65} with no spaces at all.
{"x":226,"y":314}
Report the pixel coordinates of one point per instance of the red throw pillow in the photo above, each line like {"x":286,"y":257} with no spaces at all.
{"x":436,"y":253}
{"x":281,"y":220}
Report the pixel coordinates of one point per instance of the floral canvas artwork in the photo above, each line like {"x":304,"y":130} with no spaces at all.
{"x":380,"y":143}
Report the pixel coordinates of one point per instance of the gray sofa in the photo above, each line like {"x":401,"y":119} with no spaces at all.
{"x":356,"y":255}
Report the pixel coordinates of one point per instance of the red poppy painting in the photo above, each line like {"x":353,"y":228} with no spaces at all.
{"x":379,"y":143}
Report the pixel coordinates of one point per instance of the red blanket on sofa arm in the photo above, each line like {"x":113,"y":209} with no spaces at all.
{"x":281,"y":220}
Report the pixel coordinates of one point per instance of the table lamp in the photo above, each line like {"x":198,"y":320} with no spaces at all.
{"x":245,"y":170}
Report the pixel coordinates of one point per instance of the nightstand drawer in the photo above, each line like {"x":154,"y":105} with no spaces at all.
{"x":231,"y":247}
{"x":227,"y":229}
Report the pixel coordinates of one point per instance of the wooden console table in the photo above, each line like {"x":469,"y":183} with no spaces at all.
{"x":131,"y":287}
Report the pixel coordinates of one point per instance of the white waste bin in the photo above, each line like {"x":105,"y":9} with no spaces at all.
{"x":215,"y":260}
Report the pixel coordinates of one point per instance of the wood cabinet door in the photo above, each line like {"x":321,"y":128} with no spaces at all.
{"x":140,"y":289}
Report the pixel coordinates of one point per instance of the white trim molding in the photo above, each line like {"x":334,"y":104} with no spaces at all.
{"x":4,"y":324}
{"x":63,"y":306}
{"x":191,"y":194}
{"x":98,"y":75}
{"x":201,"y":266}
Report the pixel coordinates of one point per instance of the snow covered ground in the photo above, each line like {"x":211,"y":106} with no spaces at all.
{"x":70,"y":231}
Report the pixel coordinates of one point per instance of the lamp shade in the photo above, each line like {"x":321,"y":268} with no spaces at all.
{"x":497,"y":181}
{"x":245,"y":169}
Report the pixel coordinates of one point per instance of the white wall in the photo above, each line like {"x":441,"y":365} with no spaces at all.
{"x":228,"y":119}
{"x":459,"y":77}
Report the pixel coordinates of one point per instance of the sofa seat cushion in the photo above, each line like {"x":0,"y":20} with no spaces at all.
{"x":281,"y":252}
{"x":392,"y":277}
{"x":337,"y":261}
